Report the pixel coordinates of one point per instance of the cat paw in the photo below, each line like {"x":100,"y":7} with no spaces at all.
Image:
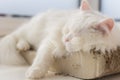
{"x":59,"y":53}
{"x":35,"y":73}
{"x":23,"y":45}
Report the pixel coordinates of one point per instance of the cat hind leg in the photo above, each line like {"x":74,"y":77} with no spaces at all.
{"x":23,"y":45}
{"x":9,"y":55}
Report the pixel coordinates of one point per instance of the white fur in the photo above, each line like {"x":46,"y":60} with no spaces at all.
{"x":41,"y":27}
{"x":44,"y":33}
{"x":89,"y":38}
{"x":47,"y":33}
{"x":8,"y":52}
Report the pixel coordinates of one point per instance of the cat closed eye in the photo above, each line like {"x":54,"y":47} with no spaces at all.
{"x":93,"y":29}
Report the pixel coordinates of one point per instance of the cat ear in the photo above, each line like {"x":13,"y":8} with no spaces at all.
{"x":106,"y":25}
{"x":85,"y":5}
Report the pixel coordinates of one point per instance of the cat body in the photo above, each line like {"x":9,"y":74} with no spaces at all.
{"x":38,"y":30}
{"x":83,"y":31}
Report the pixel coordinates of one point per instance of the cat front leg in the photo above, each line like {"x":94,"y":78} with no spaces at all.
{"x":60,"y":52}
{"x":23,"y":45}
{"x":42,"y":62}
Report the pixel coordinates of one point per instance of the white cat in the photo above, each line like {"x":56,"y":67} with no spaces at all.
{"x":83,"y":30}
{"x":58,"y":33}
{"x":43,"y":30}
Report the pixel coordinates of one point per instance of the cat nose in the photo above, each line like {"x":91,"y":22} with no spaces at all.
{"x":67,"y":40}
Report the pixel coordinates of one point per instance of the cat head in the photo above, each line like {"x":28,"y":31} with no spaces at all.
{"x":88,"y":29}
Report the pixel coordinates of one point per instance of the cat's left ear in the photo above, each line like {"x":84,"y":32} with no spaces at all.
{"x":105,"y":26}
{"x":85,"y":5}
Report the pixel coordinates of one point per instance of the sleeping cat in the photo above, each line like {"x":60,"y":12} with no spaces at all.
{"x":57,"y":34}
{"x":82,"y":31}
{"x":41,"y":30}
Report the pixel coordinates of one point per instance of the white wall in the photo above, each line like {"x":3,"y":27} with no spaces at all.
{"x":31,"y":7}
{"x":94,"y":4}
{"x":111,"y":8}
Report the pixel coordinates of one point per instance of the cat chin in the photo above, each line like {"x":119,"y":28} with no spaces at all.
{"x":71,"y":50}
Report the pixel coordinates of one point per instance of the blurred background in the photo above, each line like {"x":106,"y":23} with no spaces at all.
{"x":28,"y":8}
{"x":15,"y":12}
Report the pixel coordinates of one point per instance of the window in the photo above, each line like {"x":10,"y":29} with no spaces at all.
{"x":32,"y":7}
{"x":111,"y":8}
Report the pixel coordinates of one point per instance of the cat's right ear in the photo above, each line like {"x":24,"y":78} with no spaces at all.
{"x":105,"y":26}
{"x":85,"y":5}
